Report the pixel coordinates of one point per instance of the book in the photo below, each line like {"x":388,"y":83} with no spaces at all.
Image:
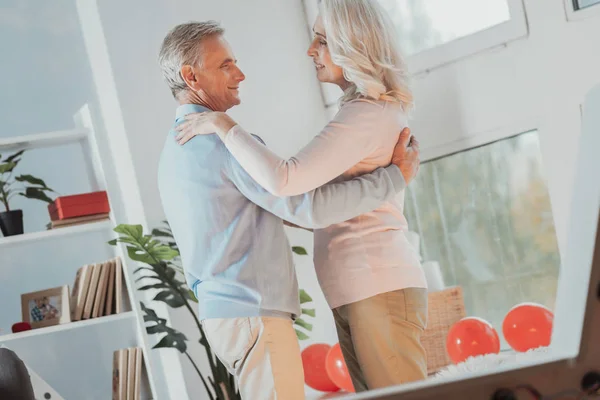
{"x":77,"y":221}
{"x":79,"y":205}
{"x":91,"y":293}
{"x":99,"y":301}
{"x":110,"y":290}
{"x":138,"y":374}
{"x":80,"y":289}
{"x":119,"y":377}
{"x":118,"y":286}
{"x":130,"y":373}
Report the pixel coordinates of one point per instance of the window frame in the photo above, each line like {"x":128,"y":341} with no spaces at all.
{"x":428,"y":153}
{"x":496,"y":36}
{"x":574,"y":14}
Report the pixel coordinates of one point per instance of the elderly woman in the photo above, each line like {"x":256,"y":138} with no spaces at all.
{"x":367,"y":269}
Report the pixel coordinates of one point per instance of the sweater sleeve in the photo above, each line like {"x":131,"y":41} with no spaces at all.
{"x":346,"y":140}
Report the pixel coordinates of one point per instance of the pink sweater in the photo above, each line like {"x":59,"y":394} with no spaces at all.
{"x":364,"y":256}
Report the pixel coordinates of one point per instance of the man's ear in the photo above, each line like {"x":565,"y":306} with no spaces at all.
{"x":191,"y":77}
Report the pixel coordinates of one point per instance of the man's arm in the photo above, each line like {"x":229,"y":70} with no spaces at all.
{"x":330,"y":204}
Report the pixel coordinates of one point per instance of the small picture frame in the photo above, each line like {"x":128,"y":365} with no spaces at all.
{"x":46,"y":307}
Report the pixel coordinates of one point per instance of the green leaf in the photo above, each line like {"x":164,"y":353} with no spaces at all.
{"x":304,"y":324}
{"x":138,"y":255}
{"x":134,"y":231}
{"x":299,"y":250}
{"x":304,"y":297}
{"x":310,"y":312}
{"x":113,"y":242}
{"x":7,"y":167}
{"x":148,"y":311}
{"x":170,"y":273}
{"x":176,"y":268}
{"x":172,"y":341}
{"x":191,"y":296}
{"x":129,"y":240}
{"x":161,"y":233}
{"x":170,"y":297}
{"x":164,"y":253}
{"x":301,"y":335}
{"x":14,"y":156}
{"x":160,"y":285}
{"x":37,"y":194}
{"x":33,"y":180}
{"x":138,"y":269}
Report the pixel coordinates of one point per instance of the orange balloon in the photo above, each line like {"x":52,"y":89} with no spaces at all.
{"x":471,"y":337}
{"x":337,"y":369}
{"x":528,"y":326}
{"x":315,"y":373}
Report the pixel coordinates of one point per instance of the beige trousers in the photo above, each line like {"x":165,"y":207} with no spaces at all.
{"x":262,"y":353}
{"x":380,"y":338}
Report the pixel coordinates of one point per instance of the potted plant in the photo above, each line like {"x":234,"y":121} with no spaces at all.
{"x":11,"y":221}
{"x":159,"y":257}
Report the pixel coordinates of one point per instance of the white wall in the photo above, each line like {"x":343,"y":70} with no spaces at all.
{"x":44,"y":80}
{"x":281,"y":102}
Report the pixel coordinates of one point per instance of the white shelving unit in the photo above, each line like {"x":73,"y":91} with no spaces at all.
{"x":55,"y":233}
{"x":74,"y":358}
{"x":6,"y":339}
{"x":39,"y":140}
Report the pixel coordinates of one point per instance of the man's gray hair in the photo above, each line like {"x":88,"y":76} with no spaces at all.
{"x":181,"y":47}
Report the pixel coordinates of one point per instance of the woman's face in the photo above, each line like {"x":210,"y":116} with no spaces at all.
{"x":327,"y":71}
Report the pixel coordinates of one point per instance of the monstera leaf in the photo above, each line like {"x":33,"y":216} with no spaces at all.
{"x":172,"y":338}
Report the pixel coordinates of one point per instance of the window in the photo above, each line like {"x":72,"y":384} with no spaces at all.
{"x":484,"y":214}
{"x":582,"y":9}
{"x":437,"y":32}
{"x":424,"y":24}
{"x":579,"y":4}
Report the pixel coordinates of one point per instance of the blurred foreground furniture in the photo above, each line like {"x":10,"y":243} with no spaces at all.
{"x":15,"y":383}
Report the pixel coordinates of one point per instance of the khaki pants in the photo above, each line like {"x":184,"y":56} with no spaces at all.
{"x":262,"y":353}
{"x":380,"y":338}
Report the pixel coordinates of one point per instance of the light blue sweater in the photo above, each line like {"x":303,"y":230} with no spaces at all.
{"x":229,"y":230}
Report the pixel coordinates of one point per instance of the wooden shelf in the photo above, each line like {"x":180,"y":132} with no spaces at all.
{"x":55,"y":233}
{"x":67,"y":327}
{"x":39,"y":140}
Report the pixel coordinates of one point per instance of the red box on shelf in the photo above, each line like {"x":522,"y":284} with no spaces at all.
{"x":79,"y":205}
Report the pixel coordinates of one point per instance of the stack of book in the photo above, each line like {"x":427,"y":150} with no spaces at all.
{"x":98,"y":290}
{"x":127,"y":374}
{"x":78,"y":209}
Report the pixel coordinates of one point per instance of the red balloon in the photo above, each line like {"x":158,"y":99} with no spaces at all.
{"x":528,"y":326}
{"x":471,"y":337}
{"x":315,"y":374}
{"x":337,"y":369}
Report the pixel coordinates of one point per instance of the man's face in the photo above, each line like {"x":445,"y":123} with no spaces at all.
{"x":218,"y":75}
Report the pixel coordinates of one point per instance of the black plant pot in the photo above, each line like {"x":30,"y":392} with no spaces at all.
{"x":11,"y":222}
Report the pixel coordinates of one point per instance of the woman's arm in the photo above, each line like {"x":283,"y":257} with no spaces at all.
{"x":346,"y":140}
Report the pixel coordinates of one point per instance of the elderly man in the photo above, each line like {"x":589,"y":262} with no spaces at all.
{"x":229,"y":230}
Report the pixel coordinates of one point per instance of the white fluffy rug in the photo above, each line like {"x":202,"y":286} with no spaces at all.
{"x":491,"y":361}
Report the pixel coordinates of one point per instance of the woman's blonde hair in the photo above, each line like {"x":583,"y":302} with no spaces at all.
{"x":363,"y":41}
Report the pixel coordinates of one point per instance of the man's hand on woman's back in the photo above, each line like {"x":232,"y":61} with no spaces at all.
{"x":406,"y":155}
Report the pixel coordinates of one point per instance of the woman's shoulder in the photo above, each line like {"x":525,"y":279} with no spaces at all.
{"x":382,"y":110}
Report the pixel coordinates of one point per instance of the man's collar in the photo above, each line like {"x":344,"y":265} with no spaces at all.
{"x":186,"y":109}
